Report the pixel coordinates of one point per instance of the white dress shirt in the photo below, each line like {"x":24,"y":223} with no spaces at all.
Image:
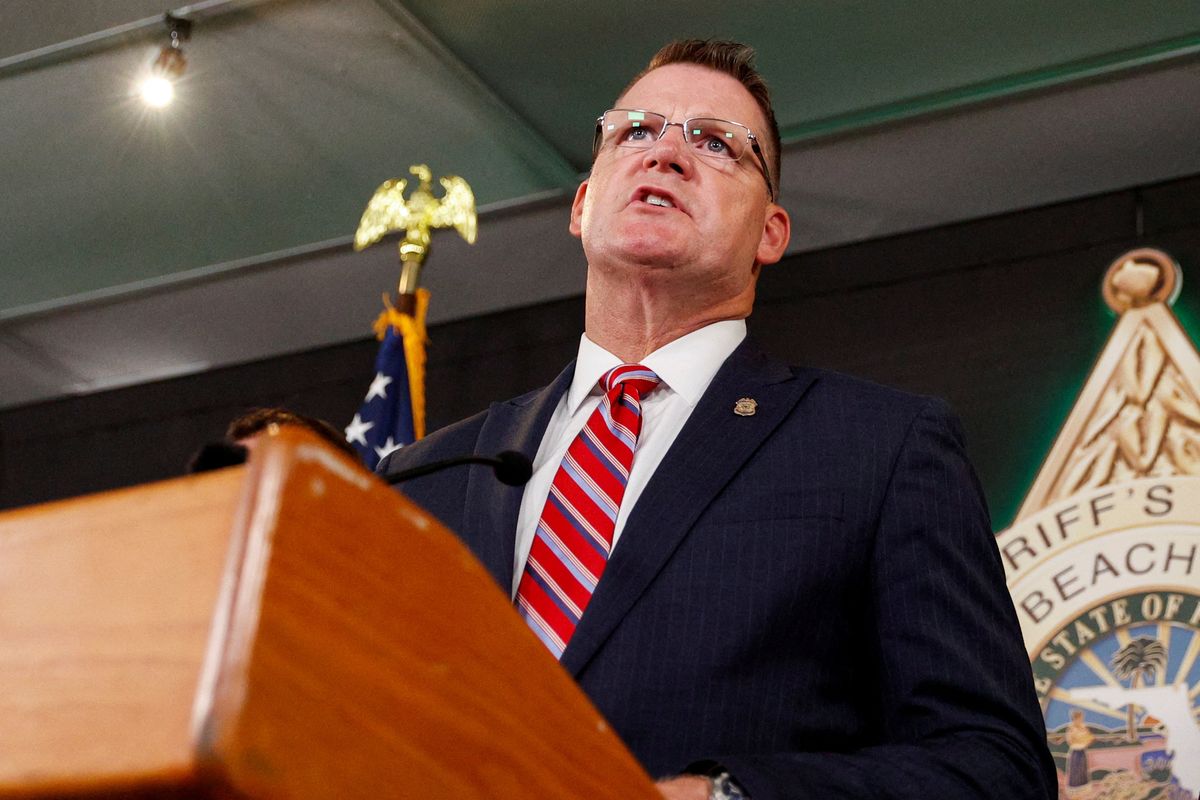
{"x":685,"y":368}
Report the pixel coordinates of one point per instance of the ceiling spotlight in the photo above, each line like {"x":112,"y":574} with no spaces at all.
{"x":158,"y":87}
{"x":157,"y":91}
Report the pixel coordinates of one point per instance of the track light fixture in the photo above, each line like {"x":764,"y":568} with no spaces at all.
{"x":157,"y":89}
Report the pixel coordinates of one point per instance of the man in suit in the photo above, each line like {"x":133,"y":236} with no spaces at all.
{"x":797,"y":592}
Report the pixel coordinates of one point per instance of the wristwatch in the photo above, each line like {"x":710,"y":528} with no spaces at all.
{"x":722,"y":786}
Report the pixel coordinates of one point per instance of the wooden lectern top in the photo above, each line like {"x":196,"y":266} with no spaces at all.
{"x":106,"y":604}
{"x":293,"y":628}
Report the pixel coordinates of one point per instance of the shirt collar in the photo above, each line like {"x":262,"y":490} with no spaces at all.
{"x":686,"y":365}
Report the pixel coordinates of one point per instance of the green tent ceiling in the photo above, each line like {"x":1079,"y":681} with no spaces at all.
{"x":292,"y":111}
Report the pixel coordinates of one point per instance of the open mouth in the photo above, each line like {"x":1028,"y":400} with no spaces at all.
{"x":655,"y":198}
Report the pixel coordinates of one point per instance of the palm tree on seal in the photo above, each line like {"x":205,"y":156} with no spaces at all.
{"x":1138,"y":661}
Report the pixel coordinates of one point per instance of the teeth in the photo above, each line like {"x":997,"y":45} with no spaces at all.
{"x":655,"y":200}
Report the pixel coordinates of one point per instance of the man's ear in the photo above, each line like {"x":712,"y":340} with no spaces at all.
{"x":576,"y":225}
{"x":777,"y":230}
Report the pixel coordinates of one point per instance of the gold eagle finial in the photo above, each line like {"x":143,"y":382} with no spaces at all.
{"x":389,"y":211}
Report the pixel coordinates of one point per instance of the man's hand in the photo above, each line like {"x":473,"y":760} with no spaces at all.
{"x":685,"y":787}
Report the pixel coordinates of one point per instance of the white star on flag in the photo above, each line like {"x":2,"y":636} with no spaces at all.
{"x":388,"y":447}
{"x":356,"y":431}
{"x":378,"y":386}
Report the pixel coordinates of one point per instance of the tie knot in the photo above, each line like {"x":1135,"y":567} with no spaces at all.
{"x":632,"y":376}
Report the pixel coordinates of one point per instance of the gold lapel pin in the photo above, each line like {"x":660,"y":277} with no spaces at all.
{"x":745,"y":407}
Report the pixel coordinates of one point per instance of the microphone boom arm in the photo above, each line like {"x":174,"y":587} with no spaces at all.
{"x":511,"y":468}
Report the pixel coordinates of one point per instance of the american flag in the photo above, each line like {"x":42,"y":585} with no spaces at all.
{"x":393,"y":412}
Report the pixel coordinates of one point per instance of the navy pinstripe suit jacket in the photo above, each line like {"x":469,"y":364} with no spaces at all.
{"x":810,"y":596}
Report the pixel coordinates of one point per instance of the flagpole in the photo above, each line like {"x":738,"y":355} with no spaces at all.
{"x":393,"y":412}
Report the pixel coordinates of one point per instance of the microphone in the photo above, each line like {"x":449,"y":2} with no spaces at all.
{"x":511,"y":468}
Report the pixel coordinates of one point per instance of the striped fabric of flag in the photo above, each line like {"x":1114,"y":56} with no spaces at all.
{"x":574,"y":536}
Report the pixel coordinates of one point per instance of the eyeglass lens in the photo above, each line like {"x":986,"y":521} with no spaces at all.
{"x":712,"y":138}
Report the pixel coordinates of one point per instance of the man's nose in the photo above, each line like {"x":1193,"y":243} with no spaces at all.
{"x":669,"y":150}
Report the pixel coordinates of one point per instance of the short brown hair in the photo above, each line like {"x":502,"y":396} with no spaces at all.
{"x":734,"y":59}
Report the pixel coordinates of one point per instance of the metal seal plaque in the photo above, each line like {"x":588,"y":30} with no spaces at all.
{"x":1103,"y":560}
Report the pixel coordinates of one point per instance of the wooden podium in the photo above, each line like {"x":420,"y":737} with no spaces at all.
{"x":289,"y":629}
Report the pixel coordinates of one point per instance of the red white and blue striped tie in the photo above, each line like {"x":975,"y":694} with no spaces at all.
{"x":574,"y":536}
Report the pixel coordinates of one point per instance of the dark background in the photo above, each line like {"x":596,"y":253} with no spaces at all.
{"x":1001,"y":316}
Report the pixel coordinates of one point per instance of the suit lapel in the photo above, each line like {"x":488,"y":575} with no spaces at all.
{"x":691,"y":475}
{"x":490,"y":518}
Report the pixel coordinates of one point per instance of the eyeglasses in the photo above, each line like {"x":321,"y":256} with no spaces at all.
{"x":714,"y":139}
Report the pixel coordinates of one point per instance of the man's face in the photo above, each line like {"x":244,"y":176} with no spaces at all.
{"x":718,"y":223}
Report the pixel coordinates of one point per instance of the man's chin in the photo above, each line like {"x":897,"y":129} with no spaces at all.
{"x":655,"y":248}
{"x":653,"y":260}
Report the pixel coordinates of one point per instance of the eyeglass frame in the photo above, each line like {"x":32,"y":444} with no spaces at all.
{"x":598,"y":139}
